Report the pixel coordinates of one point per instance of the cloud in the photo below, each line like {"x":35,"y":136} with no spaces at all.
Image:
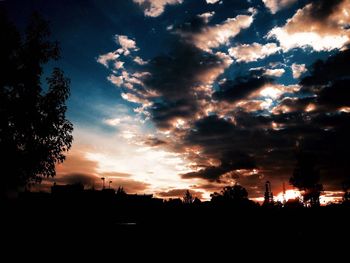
{"x":154,"y":8}
{"x":207,"y":37}
{"x":88,"y":180}
{"x":153,"y":141}
{"x":275,"y":91}
{"x":76,"y":163}
{"x":130,"y":186}
{"x":329,"y":81}
{"x":126,"y":44}
{"x":79,"y":169}
{"x":213,"y":135}
{"x":334,"y":68}
{"x":212,"y":1}
{"x":241,"y":87}
{"x":106,"y":58}
{"x":180,"y":79}
{"x":321,"y":25}
{"x":252,"y":52}
{"x":298,"y":70}
{"x":140,"y":61}
{"x":275,"y":5}
{"x":118,"y":121}
{"x":119,"y":65}
{"x":218,"y":130}
{"x":265,"y":141}
{"x":277,"y":72}
{"x":116,"y":80}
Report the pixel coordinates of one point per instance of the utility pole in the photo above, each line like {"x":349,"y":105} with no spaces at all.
{"x":103,"y":183}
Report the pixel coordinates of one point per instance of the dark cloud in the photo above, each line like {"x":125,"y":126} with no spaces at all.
{"x":334,"y":68}
{"x":291,"y":104}
{"x":194,"y":25}
{"x":115,"y":174}
{"x":323,"y":131}
{"x":329,"y":81}
{"x":252,"y":121}
{"x":337,"y":94}
{"x":211,"y":126}
{"x":88,"y":180}
{"x":175,"y":79}
{"x":153,"y":142}
{"x":241,"y":87}
{"x":210,"y":173}
{"x":229,"y":163}
{"x":321,"y":9}
{"x":268,"y":141}
{"x":129,"y":185}
{"x":163,"y":113}
{"x":217,"y":137}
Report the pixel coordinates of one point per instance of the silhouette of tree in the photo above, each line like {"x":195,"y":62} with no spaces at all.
{"x":34,"y":131}
{"x":188,"y":198}
{"x":197,"y":201}
{"x":121,"y":192}
{"x":236,"y":194}
{"x":293,"y":203}
{"x":346,"y":196}
{"x":306,"y":178}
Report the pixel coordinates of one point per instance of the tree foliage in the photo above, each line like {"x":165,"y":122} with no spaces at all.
{"x":306,"y":177}
{"x":188,"y":198}
{"x":34,"y":131}
{"x":231,"y":194}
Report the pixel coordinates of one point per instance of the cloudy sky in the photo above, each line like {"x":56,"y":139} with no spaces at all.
{"x":170,"y":95}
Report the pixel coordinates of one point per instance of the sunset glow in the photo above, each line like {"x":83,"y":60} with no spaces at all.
{"x":289,"y":194}
{"x":169,"y":95}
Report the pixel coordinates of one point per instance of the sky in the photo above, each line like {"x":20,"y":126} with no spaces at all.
{"x":169,"y":95}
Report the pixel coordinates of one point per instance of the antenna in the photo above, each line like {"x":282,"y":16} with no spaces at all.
{"x":284,"y":193}
{"x":268,"y":197}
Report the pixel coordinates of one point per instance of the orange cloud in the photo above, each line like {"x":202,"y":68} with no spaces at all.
{"x":298,"y":69}
{"x":154,"y":8}
{"x":252,"y":52}
{"x":276,"y":5}
{"x":317,"y":26}
{"x":211,"y":37}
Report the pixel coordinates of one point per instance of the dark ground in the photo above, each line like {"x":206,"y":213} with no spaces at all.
{"x":202,"y":224}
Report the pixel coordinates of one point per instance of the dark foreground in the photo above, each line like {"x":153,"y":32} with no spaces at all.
{"x":76,"y":219}
{"x":142,"y":233}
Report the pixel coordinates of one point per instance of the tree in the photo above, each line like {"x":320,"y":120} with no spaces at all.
{"x":197,"y":201}
{"x":231,"y":194}
{"x":121,"y":192}
{"x":34,"y":131}
{"x":306,"y":178}
{"x":346,"y":196}
{"x":188,"y":198}
{"x":235,"y":193}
